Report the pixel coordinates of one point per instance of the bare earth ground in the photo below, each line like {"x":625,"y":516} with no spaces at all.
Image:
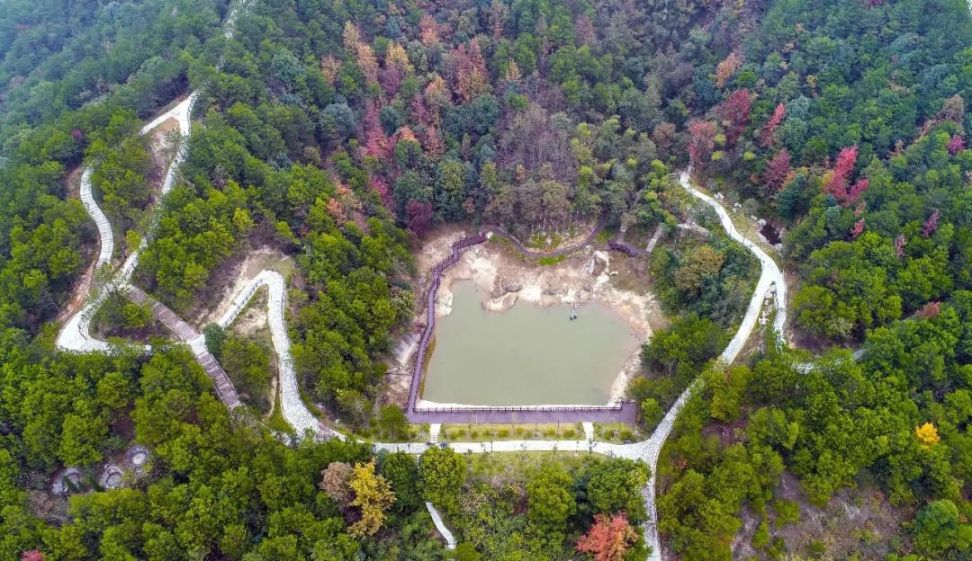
{"x":588,"y":275}
{"x":234,"y":278}
{"x":252,"y":322}
{"x":161,"y":149}
{"x":857,"y":522}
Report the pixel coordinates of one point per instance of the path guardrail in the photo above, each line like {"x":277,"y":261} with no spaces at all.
{"x":457,"y":249}
{"x":453,"y":258}
{"x":519,"y":408}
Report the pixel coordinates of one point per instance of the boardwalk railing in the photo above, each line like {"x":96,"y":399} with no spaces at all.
{"x":453,"y":258}
{"x":517,"y":408}
{"x":622,"y":247}
{"x":619,"y":409}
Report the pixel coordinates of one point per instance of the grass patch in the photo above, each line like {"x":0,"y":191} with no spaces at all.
{"x":530,"y":431}
{"x":414,"y":433}
{"x":548,"y":260}
{"x":276,"y":420}
{"x":515,"y":467}
{"x":618,"y":433}
{"x":543,"y":241}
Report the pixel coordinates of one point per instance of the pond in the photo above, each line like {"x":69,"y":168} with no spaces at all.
{"x":527,"y":355}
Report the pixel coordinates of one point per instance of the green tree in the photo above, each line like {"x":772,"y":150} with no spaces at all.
{"x":615,"y":486}
{"x":550,"y":500}
{"x":939,"y":531}
{"x":392,"y":421}
{"x":442,"y":472}
{"x":401,"y":470}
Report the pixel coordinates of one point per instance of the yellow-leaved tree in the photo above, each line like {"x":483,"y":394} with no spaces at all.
{"x":927,"y":435}
{"x":373,"y":495}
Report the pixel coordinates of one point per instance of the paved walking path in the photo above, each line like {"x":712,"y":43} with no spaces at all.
{"x":650,"y":248}
{"x":75,"y":337}
{"x":440,"y":526}
{"x":292,"y":407}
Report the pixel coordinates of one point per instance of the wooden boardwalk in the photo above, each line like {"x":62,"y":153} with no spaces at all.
{"x":625,"y":412}
{"x":457,"y":249}
{"x":224,"y":386}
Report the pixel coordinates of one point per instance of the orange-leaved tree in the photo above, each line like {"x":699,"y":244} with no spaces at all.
{"x":609,"y":538}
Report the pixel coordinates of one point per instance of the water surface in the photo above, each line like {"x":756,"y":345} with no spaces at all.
{"x":527,"y":355}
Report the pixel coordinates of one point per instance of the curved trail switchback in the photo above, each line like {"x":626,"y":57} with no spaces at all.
{"x":74,"y":338}
{"x":75,"y":335}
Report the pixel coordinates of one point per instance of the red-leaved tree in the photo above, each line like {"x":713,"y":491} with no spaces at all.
{"x":377,"y":143}
{"x":701,"y":141}
{"x":32,"y":555}
{"x":472,"y":77}
{"x":929,"y":310}
{"x":734,"y":113}
{"x":432,"y":141}
{"x":766,"y":135}
{"x":420,"y":111}
{"x":418,"y":216}
{"x":858,"y":229}
{"x":839,"y":184}
{"x":955,"y":145}
{"x":857,"y":189}
{"x":842,"y":170}
{"x":931,"y":225}
{"x":380,"y":186}
{"x":899,"y":245}
{"x":609,"y":538}
{"x":777,"y":170}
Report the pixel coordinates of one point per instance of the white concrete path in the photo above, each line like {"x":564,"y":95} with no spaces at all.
{"x":291,"y":405}
{"x":75,"y":336}
{"x":440,"y":526}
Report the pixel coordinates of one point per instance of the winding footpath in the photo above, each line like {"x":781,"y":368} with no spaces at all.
{"x":75,"y":336}
{"x":292,"y":407}
{"x":648,"y":450}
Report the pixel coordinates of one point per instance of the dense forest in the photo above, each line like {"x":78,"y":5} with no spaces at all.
{"x":842,"y":123}
{"x":340,"y":133}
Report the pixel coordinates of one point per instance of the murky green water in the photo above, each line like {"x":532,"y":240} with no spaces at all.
{"x":527,"y":355}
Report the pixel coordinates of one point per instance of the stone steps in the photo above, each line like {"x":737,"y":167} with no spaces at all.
{"x":224,"y":386}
